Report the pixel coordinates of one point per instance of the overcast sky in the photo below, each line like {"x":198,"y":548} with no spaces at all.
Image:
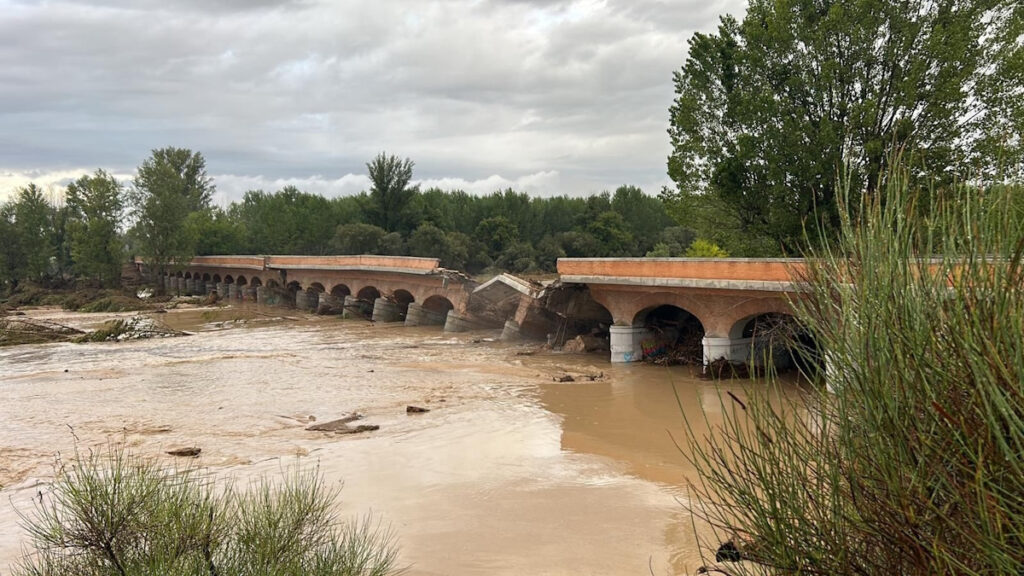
{"x":544,"y":96}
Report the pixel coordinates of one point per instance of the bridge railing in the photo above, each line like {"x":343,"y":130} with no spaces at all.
{"x":363,"y":262}
{"x":743,"y":269}
{"x":248,"y":262}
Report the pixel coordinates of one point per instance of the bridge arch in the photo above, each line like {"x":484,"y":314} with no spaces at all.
{"x":368,"y":294}
{"x":340,"y":291}
{"x":241,"y":281}
{"x":206,"y":277}
{"x":402,"y":299}
{"x":228,"y":279}
{"x":255,"y":281}
{"x":216,"y":278}
{"x":438,"y":303}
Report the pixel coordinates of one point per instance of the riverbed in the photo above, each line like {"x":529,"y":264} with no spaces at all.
{"x":510,"y":472}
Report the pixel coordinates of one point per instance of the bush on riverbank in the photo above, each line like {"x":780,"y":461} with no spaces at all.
{"x":75,"y":298}
{"x":119,"y":514}
{"x":913,"y":465}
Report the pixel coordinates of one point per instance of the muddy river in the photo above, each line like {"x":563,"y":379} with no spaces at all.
{"x":509,"y":473}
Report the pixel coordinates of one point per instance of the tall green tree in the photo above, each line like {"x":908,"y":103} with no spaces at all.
{"x":768,"y":110}
{"x":391,"y":194}
{"x":33,"y":223}
{"x":169,"y":186}
{"x":95,"y":205}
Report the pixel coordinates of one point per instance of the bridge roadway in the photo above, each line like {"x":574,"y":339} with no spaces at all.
{"x":725,"y":296}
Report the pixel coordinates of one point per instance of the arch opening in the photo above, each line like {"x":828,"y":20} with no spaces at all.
{"x":576,"y":321}
{"x":340,"y":291}
{"x":228,"y":279}
{"x":273,"y":283}
{"x":366,"y":296}
{"x":241,"y":281}
{"x":779,"y":342}
{"x":206,"y":277}
{"x":438,"y":304}
{"x":315,"y":288}
{"x":402,"y":299}
{"x":188,"y":275}
{"x":671,"y":335}
{"x":255,"y":282}
{"x":216,"y":278}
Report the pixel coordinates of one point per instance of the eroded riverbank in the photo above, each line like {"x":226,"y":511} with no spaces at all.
{"x":509,"y":472}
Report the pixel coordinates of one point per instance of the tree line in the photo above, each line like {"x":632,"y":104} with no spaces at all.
{"x":170,"y":218}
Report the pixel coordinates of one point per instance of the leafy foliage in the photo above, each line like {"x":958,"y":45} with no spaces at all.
{"x":768,"y":110}
{"x":118,"y":514}
{"x":169,"y":186}
{"x":910,"y":464}
{"x":96,"y":204}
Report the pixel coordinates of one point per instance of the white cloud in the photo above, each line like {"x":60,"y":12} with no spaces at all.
{"x":555,"y":96}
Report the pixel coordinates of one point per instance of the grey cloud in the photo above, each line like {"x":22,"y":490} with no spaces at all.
{"x":284,"y":90}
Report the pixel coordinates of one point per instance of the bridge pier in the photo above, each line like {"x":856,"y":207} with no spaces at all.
{"x":303,"y":301}
{"x":625,"y":343}
{"x":249,"y":293}
{"x":417,"y":315}
{"x":353,"y":307}
{"x":211,"y":287}
{"x":455,"y":323}
{"x":736,"y":350}
{"x":328,"y":304}
{"x":510,"y":332}
{"x":181,"y":285}
{"x":232,"y":291}
{"x":200,"y":287}
{"x":222,"y":290}
{"x":385,"y":310}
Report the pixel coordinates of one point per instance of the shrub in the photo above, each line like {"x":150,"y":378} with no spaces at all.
{"x":701,"y":248}
{"x":119,"y":514}
{"x":912,"y":463}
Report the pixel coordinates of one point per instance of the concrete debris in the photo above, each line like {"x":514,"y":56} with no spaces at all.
{"x":190,"y":451}
{"x":415,"y":410}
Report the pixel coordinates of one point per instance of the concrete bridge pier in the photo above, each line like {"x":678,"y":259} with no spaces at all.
{"x":190,"y":286}
{"x":328,"y":303}
{"x":261,"y":295}
{"x":303,"y":301}
{"x":417,"y":315}
{"x":222,"y":289}
{"x":249,"y":293}
{"x":625,"y":343}
{"x":233,"y":291}
{"x":736,"y":350}
{"x":385,"y":310}
{"x":181,"y":286}
{"x":456,"y":323}
{"x":200,"y":287}
{"x":353,"y":307}
{"x":211,"y":287}
{"x":510,"y":333}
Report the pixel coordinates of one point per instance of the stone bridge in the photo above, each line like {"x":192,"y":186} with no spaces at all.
{"x":724,"y":307}
{"x":384,"y":288}
{"x":725,"y":302}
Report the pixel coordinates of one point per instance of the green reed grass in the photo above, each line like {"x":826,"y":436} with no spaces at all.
{"x":912,"y":460}
{"x":117,"y":514}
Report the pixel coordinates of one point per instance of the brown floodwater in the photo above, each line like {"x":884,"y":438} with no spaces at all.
{"x":509,"y":473}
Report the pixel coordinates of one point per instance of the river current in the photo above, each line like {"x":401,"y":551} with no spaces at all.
{"x":509,"y":473}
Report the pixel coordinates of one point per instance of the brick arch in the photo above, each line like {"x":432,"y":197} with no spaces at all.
{"x":724,"y":321}
{"x":625,"y":307}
